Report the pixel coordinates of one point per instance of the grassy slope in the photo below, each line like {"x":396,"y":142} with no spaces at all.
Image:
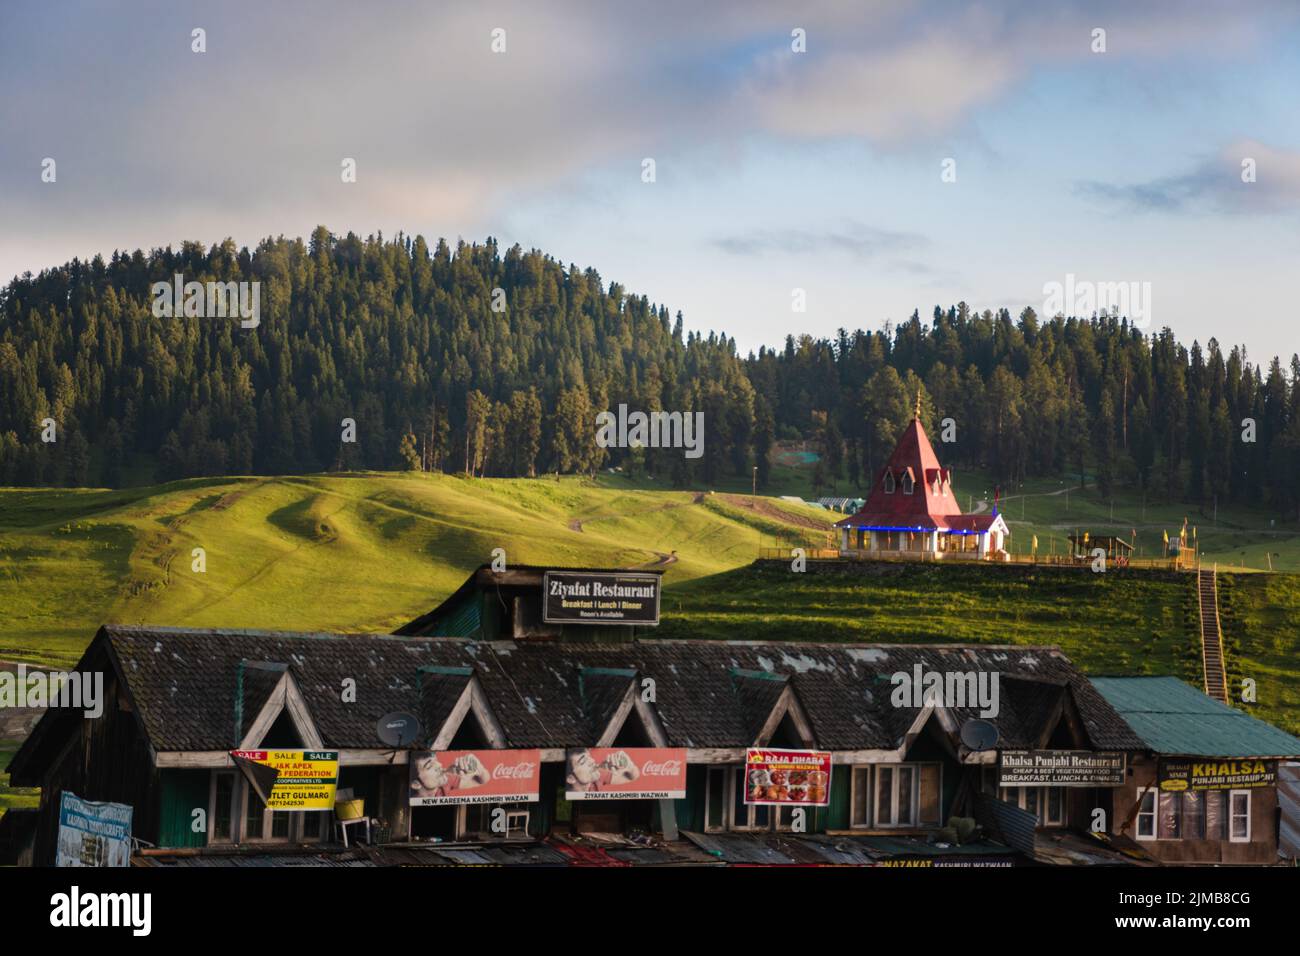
{"x":1260,"y":614}
{"x":358,"y":552}
{"x":368,"y":551}
{"x":14,"y":797}
{"x":1236,"y":537}
{"x":1113,"y":623}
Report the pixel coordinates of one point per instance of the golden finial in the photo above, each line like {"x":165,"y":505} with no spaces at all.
{"x":918,"y":403}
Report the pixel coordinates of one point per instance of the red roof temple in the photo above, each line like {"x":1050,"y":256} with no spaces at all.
{"x":912,"y":510}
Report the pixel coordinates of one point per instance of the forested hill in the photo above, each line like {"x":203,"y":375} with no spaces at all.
{"x":404,"y":340}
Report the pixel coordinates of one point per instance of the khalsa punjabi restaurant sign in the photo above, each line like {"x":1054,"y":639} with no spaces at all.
{"x":291,"y":779}
{"x":475,"y":776}
{"x":1216,"y":774}
{"x":1060,"y":768}
{"x":591,"y":597}
{"x":616,"y":773}
{"x":783,"y":777}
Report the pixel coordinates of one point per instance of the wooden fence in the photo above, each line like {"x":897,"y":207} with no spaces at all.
{"x":1185,"y":560}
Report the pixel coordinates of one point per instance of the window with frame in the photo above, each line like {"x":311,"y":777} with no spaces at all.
{"x":908,"y":485}
{"x":906,"y":794}
{"x":889,"y":482}
{"x":715,"y":799}
{"x":1239,"y":816}
{"x":1194,"y":815}
{"x":860,"y":797}
{"x":746,"y":816}
{"x":1045,"y":803}
{"x":221,"y":807}
{"x":1146,"y":815}
{"x":260,"y":825}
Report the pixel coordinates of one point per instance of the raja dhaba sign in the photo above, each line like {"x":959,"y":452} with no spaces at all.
{"x":787,"y":777}
{"x":1216,"y":773}
{"x":475,"y":776}
{"x":625,"y":773}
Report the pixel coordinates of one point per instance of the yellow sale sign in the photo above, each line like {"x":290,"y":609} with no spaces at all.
{"x":292,"y":779}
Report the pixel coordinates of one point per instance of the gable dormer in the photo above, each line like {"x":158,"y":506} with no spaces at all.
{"x":889,"y":482}
{"x":270,"y":710}
{"x":909,"y":484}
{"x":455,"y":711}
{"x":619,"y":714}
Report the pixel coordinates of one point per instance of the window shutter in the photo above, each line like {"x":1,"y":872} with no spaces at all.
{"x":931,"y":797}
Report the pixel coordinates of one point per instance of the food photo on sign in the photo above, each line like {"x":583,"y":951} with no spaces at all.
{"x":784,"y":777}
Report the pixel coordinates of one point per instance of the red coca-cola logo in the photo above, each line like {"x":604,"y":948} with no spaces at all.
{"x":669,"y":768}
{"x":514,"y":771}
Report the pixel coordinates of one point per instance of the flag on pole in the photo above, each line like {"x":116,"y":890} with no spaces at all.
{"x":1165,"y":534}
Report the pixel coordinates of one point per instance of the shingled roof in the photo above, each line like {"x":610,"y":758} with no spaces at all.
{"x":182,"y":680}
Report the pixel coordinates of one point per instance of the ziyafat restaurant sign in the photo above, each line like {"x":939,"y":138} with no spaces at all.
{"x":1060,"y":768}
{"x":787,"y":777}
{"x":625,"y":773}
{"x":475,"y":776}
{"x":595,"y":597}
{"x":1216,"y":773}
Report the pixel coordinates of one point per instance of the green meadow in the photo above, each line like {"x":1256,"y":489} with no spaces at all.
{"x":355,"y":552}
{"x":1119,"y":622}
{"x":14,"y":798}
{"x":369,"y":551}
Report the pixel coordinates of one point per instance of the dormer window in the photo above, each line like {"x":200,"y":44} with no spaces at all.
{"x":907,"y":483}
{"x":889,"y":482}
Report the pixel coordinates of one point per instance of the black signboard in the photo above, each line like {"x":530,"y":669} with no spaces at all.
{"x":1216,"y":773}
{"x":1060,"y":768}
{"x":600,"y":597}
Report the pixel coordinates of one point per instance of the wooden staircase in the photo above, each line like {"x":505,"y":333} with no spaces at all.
{"x":1216,"y":678}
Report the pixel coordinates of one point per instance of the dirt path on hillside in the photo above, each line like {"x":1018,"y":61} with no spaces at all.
{"x":764,"y":507}
{"x":661,"y":561}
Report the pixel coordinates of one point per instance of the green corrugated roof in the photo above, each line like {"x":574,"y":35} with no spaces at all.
{"x":1174,"y":718}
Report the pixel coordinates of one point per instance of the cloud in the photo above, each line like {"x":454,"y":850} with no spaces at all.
{"x":156,"y":143}
{"x":1215,"y":184}
{"x":852,"y":239}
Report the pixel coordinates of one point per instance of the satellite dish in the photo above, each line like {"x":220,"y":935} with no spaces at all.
{"x":979,"y":735}
{"x":398,"y":729}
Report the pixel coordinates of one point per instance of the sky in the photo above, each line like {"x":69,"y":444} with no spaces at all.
{"x":909,"y":155}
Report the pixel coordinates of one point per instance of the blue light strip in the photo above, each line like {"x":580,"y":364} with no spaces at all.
{"x":872,"y":527}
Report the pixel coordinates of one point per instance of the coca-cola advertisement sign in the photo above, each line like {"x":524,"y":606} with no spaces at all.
{"x":625,"y":773}
{"x":787,"y":777}
{"x":475,"y":776}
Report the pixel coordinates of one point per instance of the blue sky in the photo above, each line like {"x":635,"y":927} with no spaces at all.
{"x":775,"y":170}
